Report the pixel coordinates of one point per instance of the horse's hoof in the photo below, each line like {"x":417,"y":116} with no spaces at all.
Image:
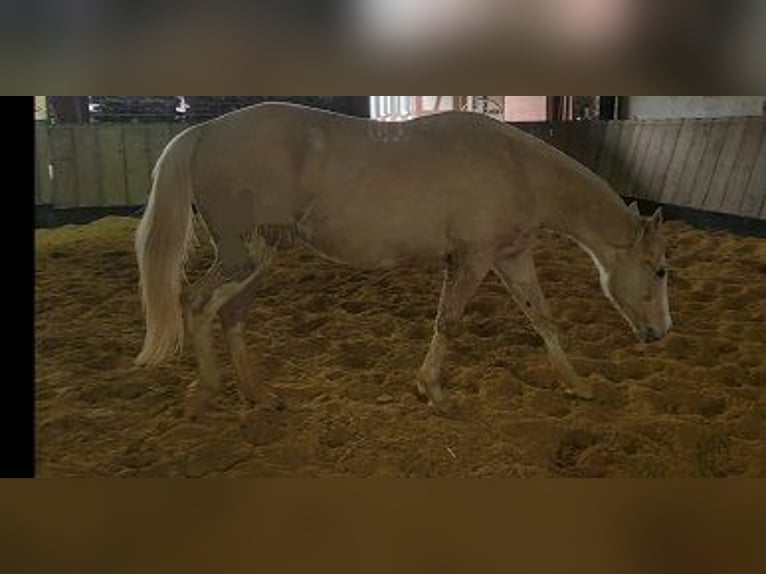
{"x":196,"y":405}
{"x":262,"y":397}
{"x":273,"y":402}
{"x":430,"y":393}
{"x":445,"y":407}
{"x":436,"y":399}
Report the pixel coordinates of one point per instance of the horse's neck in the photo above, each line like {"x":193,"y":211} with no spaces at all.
{"x":595,"y":217}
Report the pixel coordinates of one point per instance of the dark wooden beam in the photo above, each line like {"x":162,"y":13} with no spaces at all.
{"x":69,"y":109}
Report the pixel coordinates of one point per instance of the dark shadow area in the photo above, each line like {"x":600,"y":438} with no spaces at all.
{"x":47,"y":217}
{"x":192,"y":109}
{"x":706,"y":220}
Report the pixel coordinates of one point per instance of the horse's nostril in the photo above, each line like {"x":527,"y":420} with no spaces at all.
{"x":651,"y":335}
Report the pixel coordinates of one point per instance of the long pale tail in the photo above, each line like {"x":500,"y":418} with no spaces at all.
{"x":162,"y":242}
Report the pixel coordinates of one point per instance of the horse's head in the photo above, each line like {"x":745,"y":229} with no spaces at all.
{"x":636,"y":280}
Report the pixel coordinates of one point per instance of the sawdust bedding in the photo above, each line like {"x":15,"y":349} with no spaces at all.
{"x":342,"y":347}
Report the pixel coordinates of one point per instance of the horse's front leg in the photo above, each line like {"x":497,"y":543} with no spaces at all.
{"x":519,"y":275}
{"x":463,"y":275}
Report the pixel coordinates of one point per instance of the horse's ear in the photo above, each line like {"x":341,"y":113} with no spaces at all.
{"x":656,"y":218}
{"x":653,"y":223}
{"x":634,"y":208}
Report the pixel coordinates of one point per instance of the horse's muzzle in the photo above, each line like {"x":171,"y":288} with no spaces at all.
{"x":650,"y":334}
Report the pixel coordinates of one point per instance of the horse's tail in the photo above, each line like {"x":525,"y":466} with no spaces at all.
{"x":162,"y":241}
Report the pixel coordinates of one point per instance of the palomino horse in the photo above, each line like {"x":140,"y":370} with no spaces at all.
{"x":457,"y":188}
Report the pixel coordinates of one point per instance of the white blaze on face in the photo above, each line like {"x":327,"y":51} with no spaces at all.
{"x":666,"y":307}
{"x":603,"y":277}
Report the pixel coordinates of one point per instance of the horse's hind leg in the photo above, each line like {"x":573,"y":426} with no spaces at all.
{"x":519,"y":275}
{"x":201,"y":391}
{"x":233,"y":314}
{"x":462,"y":277}
{"x":201,"y":305}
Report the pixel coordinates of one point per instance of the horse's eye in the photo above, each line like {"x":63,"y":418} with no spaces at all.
{"x":661,"y":273}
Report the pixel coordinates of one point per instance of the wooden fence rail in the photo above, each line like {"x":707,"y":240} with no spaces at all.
{"x":716,"y":165}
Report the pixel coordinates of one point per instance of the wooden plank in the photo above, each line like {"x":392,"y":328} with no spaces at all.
{"x":743,"y":168}
{"x":646,"y":162}
{"x":532,"y":128}
{"x":42,"y":165}
{"x":137,"y":163}
{"x":87,"y":152}
{"x":709,"y":161}
{"x":635,"y":187}
{"x":64,"y":184}
{"x":606,"y":161}
{"x":553,"y":134}
{"x":686,"y":192}
{"x":579,"y":143}
{"x":176,"y":129}
{"x":673,"y":180}
{"x":548,"y":132}
{"x":754,"y":200}
{"x":622,"y":155}
{"x":758,"y":183}
{"x":632,"y":158}
{"x":727,"y":159}
{"x":541,"y":130}
{"x":112,"y":165}
{"x":545,"y":132}
{"x":562,"y":134}
{"x":571,"y":139}
{"x":159,"y":136}
{"x":595,"y":137}
{"x":665,"y":149}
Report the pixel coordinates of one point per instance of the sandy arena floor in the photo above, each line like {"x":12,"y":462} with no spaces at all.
{"x":342,"y":348}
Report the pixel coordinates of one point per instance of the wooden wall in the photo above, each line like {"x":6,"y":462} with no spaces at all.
{"x":43,"y":195}
{"x":101,"y":165}
{"x":715,"y":165}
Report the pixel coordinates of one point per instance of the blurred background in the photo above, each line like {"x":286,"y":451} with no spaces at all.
{"x":705,"y":42}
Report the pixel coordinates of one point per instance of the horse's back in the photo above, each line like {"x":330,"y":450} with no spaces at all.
{"x":418,"y":186}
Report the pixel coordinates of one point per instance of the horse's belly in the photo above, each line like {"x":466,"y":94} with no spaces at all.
{"x":371,"y":247}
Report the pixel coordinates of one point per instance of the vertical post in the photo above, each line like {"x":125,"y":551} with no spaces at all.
{"x":552,"y":105}
{"x":622,"y":111}
{"x":418,"y":104}
{"x":406,"y":107}
{"x":607,"y":107}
